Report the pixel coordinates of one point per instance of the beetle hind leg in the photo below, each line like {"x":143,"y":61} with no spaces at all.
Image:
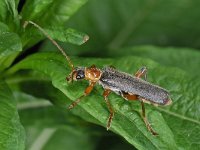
{"x":135,"y":97}
{"x":105,"y":95}
{"x":148,"y":125}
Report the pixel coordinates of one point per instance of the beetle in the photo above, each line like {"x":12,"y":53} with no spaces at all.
{"x":130,"y":87}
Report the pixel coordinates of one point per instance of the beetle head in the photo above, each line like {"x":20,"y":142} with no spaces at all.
{"x":88,"y":73}
{"x":78,"y":73}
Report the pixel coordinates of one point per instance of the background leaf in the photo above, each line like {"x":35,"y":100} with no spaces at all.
{"x":68,"y":35}
{"x":34,"y":10}
{"x":10,"y":42}
{"x":12,"y":133}
{"x":9,"y":13}
{"x":58,"y":33}
{"x":10,"y":45}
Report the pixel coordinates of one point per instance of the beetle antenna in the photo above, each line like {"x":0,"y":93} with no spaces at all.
{"x":52,"y":40}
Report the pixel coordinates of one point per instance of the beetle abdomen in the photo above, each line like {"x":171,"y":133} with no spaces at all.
{"x":122,"y":82}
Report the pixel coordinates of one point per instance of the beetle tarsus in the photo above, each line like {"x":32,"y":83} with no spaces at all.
{"x":75,"y":102}
{"x":110,"y":120}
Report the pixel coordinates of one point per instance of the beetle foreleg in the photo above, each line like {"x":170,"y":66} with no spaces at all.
{"x":142,"y":72}
{"x":87,"y":91}
{"x":105,"y":95}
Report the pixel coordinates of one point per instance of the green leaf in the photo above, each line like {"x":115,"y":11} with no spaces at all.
{"x":128,"y":122}
{"x":10,"y":45}
{"x":11,"y":131}
{"x":59,"y":33}
{"x":10,"y":42}
{"x":3,"y":28}
{"x":50,"y":14}
{"x":6,"y":61}
{"x":9,"y":13}
{"x":68,"y":35}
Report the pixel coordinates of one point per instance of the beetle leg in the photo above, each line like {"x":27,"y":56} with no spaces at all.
{"x":105,"y":95}
{"x":142,"y":72}
{"x":135,"y":97}
{"x":87,"y":91}
{"x":146,"y":121}
{"x":129,"y":97}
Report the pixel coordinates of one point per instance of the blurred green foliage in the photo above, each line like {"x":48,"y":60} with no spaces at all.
{"x":34,"y":95}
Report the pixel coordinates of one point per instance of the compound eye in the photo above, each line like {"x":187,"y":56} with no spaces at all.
{"x":80,"y":75}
